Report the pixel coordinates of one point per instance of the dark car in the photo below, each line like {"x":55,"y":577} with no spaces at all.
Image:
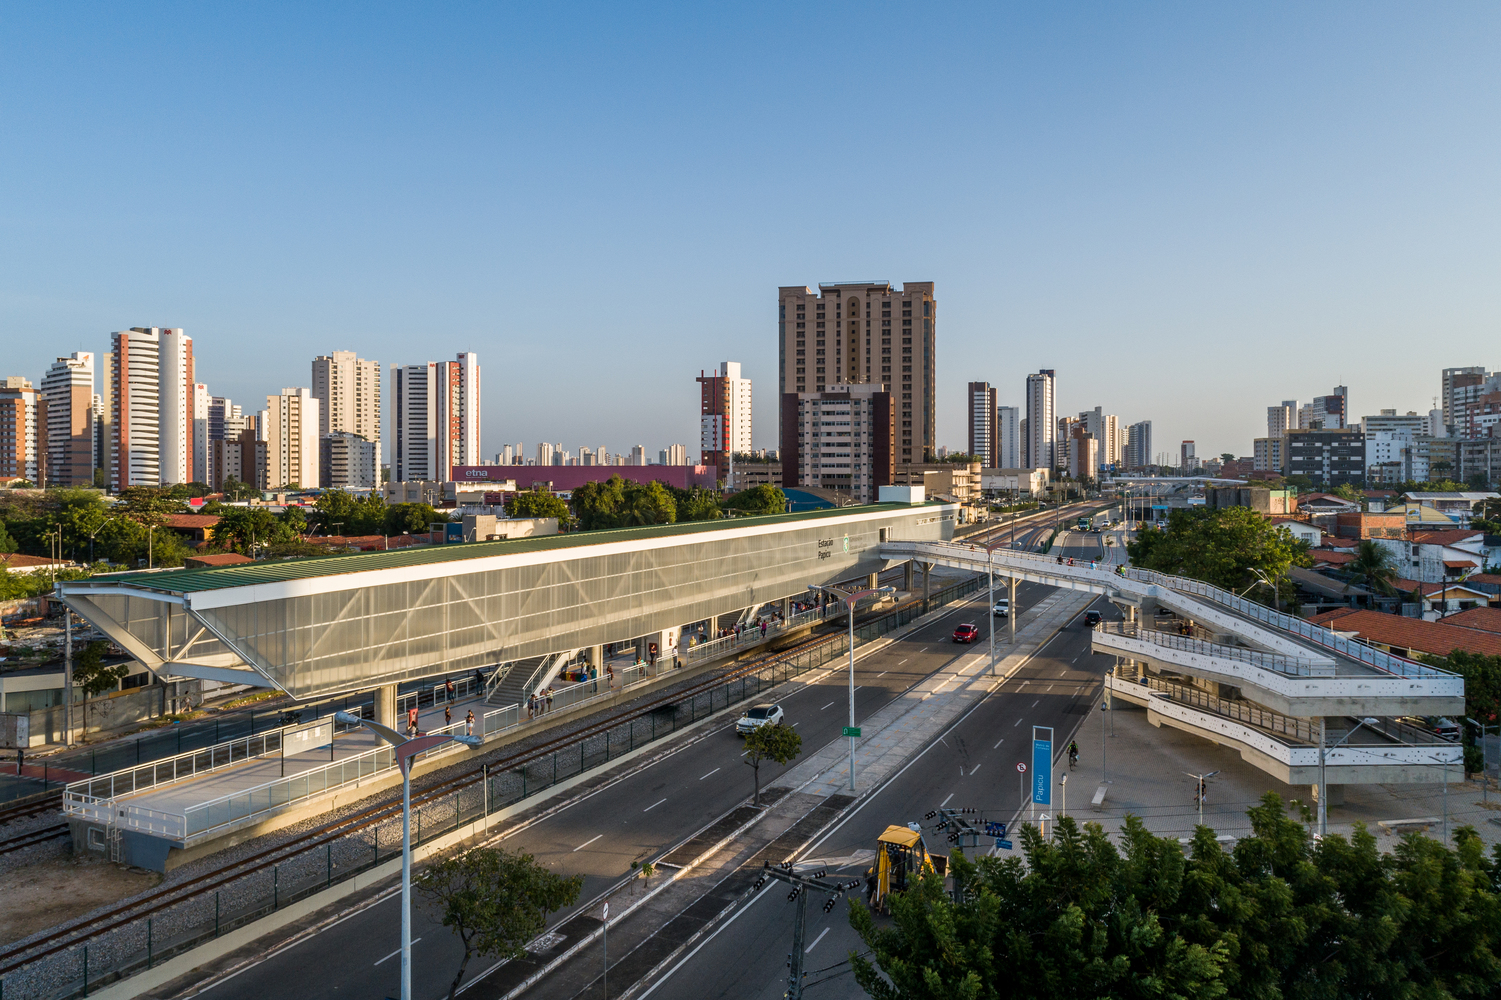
{"x":1091,"y":619}
{"x":966,"y":633}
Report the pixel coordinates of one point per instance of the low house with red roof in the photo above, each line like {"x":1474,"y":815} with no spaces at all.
{"x":193,"y":527}
{"x":15,"y":562}
{"x":1408,"y":636}
{"x":1486,"y":619}
{"x":216,"y":559}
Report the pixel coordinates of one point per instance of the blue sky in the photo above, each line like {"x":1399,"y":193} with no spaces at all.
{"x":1190,"y":211}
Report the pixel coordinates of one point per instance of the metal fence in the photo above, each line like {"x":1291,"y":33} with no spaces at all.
{"x":1292,"y":665}
{"x":753,"y":636}
{"x":178,"y":768}
{"x":106,"y":959}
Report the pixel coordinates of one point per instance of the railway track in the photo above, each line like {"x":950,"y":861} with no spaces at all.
{"x":96,"y":925}
{"x":25,"y":810}
{"x":81,"y":930}
{"x":34,"y":837}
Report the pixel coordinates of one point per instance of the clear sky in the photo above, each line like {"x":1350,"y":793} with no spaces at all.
{"x":1191,"y":211}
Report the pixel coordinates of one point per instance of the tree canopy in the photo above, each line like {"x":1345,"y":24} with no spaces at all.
{"x":338,"y":512}
{"x":538,"y":503}
{"x":616,"y":503}
{"x":777,"y":743}
{"x":495,"y":901}
{"x":1283,"y":915}
{"x":763,"y":499}
{"x":1222,"y":547}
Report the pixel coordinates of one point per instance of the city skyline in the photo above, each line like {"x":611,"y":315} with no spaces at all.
{"x":1162,"y":197}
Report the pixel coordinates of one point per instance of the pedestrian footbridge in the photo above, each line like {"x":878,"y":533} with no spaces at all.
{"x":1290,"y":696}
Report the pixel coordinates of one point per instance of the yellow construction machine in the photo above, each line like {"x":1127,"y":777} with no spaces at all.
{"x":900,"y":855}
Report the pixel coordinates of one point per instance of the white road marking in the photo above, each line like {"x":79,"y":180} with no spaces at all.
{"x":1034,"y":705}
{"x":587,"y":843}
{"x":885,"y":672}
{"x":689,"y":957}
{"x":657,"y":803}
{"x":977,"y":767}
{"x":946,"y":801}
{"x":397,"y":951}
{"x":1050,"y":687}
{"x":998,"y":743}
{"x":900,"y":662}
{"x":715,"y":771}
{"x":1019,"y":722}
{"x":820,"y":938}
{"x":826,"y":706}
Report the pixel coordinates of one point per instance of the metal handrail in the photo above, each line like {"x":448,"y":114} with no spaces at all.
{"x":1260,"y":718}
{"x":1291,"y":665}
{"x":179,"y":767}
{"x":752,"y":636}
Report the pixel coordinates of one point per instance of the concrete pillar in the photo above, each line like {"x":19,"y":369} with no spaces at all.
{"x":926,"y":570}
{"x":786,"y":608}
{"x":385,"y":705}
{"x":596,"y":656}
{"x":907,"y":576}
{"x":874,"y":581}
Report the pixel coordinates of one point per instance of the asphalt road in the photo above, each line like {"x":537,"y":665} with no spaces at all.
{"x":972,"y":764}
{"x":599,"y":837}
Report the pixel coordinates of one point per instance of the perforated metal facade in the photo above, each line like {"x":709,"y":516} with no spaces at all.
{"x":316,"y":633}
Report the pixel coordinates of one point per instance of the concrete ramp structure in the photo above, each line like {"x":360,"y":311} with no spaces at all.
{"x":1292,"y":697}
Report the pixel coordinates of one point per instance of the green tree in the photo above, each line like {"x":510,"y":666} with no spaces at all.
{"x":148,"y":505}
{"x":402,"y":518}
{"x":294,"y":520}
{"x":1222,"y":547}
{"x":763,"y":499}
{"x":494,"y":901}
{"x":696,"y":504}
{"x":1482,"y":676}
{"x":1374,"y":567}
{"x":234,"y":490}
{"x":538,"y":503}
{"x":647,"y":503}
{"x":7,"y":543}
{"x":245,"y":529}
{"x":1282,"y":916}
{"x":1346,"y":491}
{"x":94,"y":676}
{"x":338,"y":512}
{"x":776,"y":743}
{"x":598,"y":505}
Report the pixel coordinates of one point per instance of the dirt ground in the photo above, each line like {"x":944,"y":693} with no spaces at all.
{"x":46,"y":894}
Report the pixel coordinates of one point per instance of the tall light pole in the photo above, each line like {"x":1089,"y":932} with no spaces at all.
{"x":990,"y":548}
{"x":850,"y":598}
{"x":406,"y":751}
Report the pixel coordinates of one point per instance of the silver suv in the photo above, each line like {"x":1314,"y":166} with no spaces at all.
{"x":757,"y":716}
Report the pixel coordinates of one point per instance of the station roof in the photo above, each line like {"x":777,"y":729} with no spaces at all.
{"x":218,"y":578}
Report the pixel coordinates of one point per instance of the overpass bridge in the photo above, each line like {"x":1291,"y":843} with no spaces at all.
{"x":1292,"y":697}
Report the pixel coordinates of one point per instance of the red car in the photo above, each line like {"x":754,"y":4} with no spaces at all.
{"x":966,"y":633}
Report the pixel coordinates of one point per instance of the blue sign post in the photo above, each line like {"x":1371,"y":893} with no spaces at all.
{"x":1042,"y":767}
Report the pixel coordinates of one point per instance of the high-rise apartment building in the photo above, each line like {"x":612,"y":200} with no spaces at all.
{"x":724,"y":416}
{"x":1330,"y":412}
{"x":1139,"y":445}
{"x":149,"y":390}
{"x":289,"y":426}
{"x":544,"y":453}
{"x":68,"y":388}
{"x":347,"y":460}
{"x":1186,"y":460}
{"x":1282,"y":418}
{"x":200,"y":403}
{"x":865,"y":333}
{"x":1104,"y":428}
{"x":984,"y":427}
{"x":1008,"y":422}
{"x":1040,"y":444}
{"x":1269,"y":454}
{"x":841,"y":439}
{"x":437,"y":419}
{"x":1329,"y":456}
{"x":1454,"y":383}
{"x":348,"y":392}
{"x":23,"y":430}
{"x":673,"y":454}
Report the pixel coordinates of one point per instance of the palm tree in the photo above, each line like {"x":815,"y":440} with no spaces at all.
{"x":1373,"y":565}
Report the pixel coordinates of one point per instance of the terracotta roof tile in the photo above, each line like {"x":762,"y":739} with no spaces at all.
{"x":1484,"y":619}
{"x":1333,"y":558}
{"x":216,"y":559}
{"x":1443,"y":537}
{"x":1434,"y":638}
{"x":192,"y":520}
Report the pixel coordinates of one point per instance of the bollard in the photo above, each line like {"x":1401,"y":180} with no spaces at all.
{"x":276,"y":887}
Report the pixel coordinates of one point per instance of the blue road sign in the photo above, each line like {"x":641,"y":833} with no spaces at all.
{"x":994,"y":829}
{"x":1002,"y":844}
{"x":1042,"y":766}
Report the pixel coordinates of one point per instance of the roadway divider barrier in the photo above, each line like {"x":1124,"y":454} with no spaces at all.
{"x":97,"y":961}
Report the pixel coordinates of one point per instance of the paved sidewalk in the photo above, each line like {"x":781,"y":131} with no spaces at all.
{"x":912,"y":721}
{"x":1148,"y":769}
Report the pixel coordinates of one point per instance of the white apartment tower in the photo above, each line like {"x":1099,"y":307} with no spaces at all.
{"x":348,"y":392}
{"x":1008,"y":429}
{"x":289,"y":426}
{"x":437,"y":419}
{"x":149,"y":391}
{"x":1040,"y":447}
{"x":863,"y":333}
{"x":1281,"y":419}
{"x":724,"y":416}
{"x":68,"y":388}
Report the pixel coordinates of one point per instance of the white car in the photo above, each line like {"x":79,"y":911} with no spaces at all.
{"x":757,"y":716}
{"x":1002,"y":608}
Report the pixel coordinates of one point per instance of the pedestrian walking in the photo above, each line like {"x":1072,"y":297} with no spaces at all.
{"x":531,"y":707}
{"x":448,"y":687}
{"x":447,"y":715}
{"x":412,"y":721}
{"x":469,"y":723}
{"x":763,"y":629}
{"x":610,"y":674}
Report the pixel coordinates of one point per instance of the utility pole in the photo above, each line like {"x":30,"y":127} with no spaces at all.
{"x":802,"y":884}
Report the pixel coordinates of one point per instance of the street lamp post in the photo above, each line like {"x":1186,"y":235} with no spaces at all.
{"x":990,"y":548}
{"x":1201,"y":788}
{"x":406,"y":751}
{"x":850,"y":599}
